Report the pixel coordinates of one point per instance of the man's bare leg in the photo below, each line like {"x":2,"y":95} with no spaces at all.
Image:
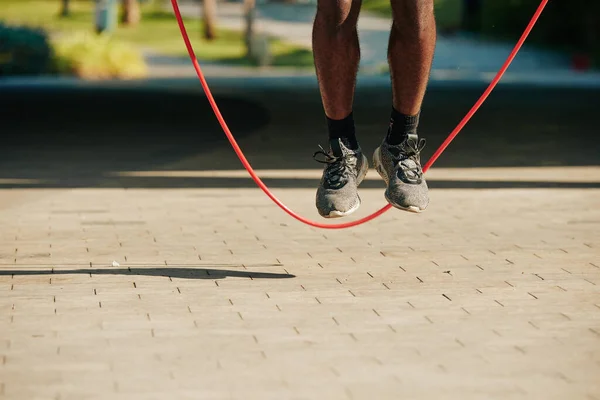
{"x":337,"y":54}
{"x":410,"y":55}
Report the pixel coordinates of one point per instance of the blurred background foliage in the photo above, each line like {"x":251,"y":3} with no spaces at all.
{"x":60,"y":36}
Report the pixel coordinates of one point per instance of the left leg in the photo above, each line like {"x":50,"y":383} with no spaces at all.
{"x":410,"y":55}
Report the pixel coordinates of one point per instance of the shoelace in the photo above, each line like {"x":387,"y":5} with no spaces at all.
{"x":338,"y":167}
{"x":411,"y":150}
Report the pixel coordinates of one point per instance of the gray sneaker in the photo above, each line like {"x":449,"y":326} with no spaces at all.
{"x":337,"y":195}
{"x":400,"y":168}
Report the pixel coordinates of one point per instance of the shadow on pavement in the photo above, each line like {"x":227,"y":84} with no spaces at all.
{"x":181,"y":273}
{"x":80,"y":137}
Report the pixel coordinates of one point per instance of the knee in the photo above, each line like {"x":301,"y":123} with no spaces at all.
{"x":413,"y":17}
{"x":338,"y":14}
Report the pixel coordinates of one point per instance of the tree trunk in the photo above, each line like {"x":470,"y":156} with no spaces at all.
{"x":209,"y":17}
{"x":65,"y":9}
{"x":131,"y":13}
{"x":249,"y":14}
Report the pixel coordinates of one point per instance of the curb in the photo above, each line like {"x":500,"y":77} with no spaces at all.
{"x":298,"y":81}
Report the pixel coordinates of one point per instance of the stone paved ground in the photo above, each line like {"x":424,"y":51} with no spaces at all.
{"x":121,"y":288}
{"x":490,"y":294}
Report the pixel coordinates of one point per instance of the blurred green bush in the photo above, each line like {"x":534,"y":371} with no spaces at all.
{"x":92,"y":56}
{"x":449,"y":14}
{"x":572,"y":25}
{"x":29,"y":51}
{"x":24,"y":51}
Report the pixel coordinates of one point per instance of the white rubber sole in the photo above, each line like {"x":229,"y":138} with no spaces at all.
{"x":361,"y":177}
{"x":379,"y":167}
{"x":340,"y":214}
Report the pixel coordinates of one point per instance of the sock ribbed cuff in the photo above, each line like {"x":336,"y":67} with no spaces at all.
{"x":343,"y":129}
{"x":401,"y":125}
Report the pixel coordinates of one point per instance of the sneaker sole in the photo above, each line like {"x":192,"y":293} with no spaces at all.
{"x":361,"y":177}
{"x":340,"y":214}
{"x":379,"y":167}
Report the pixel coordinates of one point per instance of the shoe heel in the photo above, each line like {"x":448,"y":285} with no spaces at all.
{"x":364,"y":171}
{"x":378,"y":166}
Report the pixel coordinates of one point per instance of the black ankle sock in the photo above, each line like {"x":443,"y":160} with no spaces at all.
{"x":401,"y":126}
{"x":343,"y":129}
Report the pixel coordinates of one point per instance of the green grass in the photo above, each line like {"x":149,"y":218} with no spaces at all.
{"x":158,"y":31}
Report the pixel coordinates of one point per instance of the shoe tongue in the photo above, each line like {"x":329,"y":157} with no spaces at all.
{"x":336,"y":147}
{"x":408,"y":163}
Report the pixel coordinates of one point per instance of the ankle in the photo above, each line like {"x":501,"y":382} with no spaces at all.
{"x":401,"y":125}
{"x":343,"y":129}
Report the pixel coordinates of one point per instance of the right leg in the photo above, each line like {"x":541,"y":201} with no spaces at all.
{"x":337,"y":54}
